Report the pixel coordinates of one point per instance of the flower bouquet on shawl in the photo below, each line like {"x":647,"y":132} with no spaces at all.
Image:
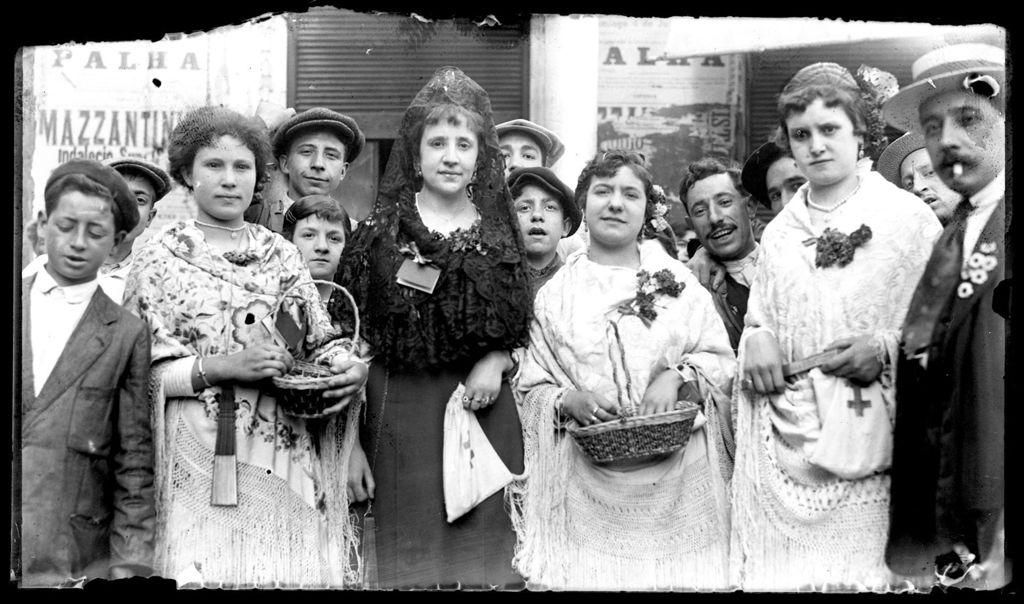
{"x":635,"y":437}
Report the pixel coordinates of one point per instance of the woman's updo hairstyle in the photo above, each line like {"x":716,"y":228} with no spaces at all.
{"x":605,"y":164}
{"x":858,"y":97}
{"x":202,"y":127}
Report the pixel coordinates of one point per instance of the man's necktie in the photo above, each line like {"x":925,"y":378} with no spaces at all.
{"x":938,"y":283}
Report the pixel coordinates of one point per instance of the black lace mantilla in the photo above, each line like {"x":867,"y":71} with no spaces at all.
{"x":482,"y":299}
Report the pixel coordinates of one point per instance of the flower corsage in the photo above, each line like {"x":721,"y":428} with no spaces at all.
{"x":836,"y":247}
{"x":649,"y":287}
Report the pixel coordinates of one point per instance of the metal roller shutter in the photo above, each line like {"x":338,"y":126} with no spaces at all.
{"x":371,"y":66}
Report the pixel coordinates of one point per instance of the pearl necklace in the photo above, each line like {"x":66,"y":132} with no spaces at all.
{"x":235,"y":231}
{"x":828,"y":211}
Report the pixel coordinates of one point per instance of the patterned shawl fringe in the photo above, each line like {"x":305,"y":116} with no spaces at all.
{"x":259,"y":558}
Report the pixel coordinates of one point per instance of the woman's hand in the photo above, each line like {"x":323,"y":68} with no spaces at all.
{"x":250,"y":365}
{"x":662,"y":393}
{"x":710,"y":273}
{"x":588,"y":408}
{"x":856,"y":360}
{"x":763,"y":363}
{"x":360,"y":479}
{"x":484,"y":381}
{"x":349,"y":377}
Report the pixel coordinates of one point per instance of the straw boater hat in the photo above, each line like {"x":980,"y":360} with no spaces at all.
{"x":977,"y":68}
{"x":891,"y":159}
{"x":552,"y":145}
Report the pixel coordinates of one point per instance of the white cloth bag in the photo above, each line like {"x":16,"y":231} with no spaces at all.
{"x":472,"y":470}
{"x":856,"y":438}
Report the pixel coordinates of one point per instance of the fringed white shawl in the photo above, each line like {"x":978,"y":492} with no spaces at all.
{"x":580,"y":526}
{"x":796,"y":526}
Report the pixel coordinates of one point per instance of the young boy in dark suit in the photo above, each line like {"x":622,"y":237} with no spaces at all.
{"x":86,"y":469}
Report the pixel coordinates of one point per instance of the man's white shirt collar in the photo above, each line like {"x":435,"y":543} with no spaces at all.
{"x":72,"y":294}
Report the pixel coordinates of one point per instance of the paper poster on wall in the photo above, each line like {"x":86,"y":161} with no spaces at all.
{"x":673,"y":111}
{"x":122,"y":99}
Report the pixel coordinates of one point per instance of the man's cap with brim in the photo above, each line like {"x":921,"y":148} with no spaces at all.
{"x":755,"y":171}
{"x":547,"y":180}
{"x":111,"y":179}
{"x":156,"y":175}
{"x":551,"y":145}
{"x":321,"y":118}
{"x":892,"y":157}
{"x":977,"y":68}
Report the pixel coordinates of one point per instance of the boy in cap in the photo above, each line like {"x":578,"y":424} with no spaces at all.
{"x":547,"y":212}
{"x":721,"y":212}
{"x":525,"y":144}
{"x":86,"y":452}
{"x":313,"y":150}
{"x":905,"y":163}
{"x":948,"y":502}
{"x":149,"y":183}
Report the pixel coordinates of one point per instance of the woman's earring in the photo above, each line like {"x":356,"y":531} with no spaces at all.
{"x":419,"y":172}
{"x":860,"y":150}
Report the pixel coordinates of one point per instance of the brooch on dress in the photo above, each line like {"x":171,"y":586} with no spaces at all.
{"x":241,"y":258}
{"x":836,"y":247}
{"x":648,"y":287}
{"x":979,"y":265}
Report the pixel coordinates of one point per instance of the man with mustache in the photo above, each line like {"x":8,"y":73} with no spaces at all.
{"x":948,"y":501}
{"x":905,"y":163}
{"x":721,"y":212}
{"x":547,"y":213}
{"x":313,"y":150}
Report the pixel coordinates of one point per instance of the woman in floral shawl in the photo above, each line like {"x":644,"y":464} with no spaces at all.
{"x":836,"y":271}
{"x":209,"y":289}
{"x":623,"y":328}
{"x":438,"y":272}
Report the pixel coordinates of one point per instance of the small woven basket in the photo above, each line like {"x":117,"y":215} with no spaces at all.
{"x":299,"y":392}
{"x":637,"y":437}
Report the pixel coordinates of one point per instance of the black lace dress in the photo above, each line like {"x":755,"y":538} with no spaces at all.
{"x":424,"y":345}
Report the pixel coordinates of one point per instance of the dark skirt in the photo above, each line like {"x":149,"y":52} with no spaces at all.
{"x":402,"y":435}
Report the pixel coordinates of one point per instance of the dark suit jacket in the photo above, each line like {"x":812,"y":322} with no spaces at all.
{"x":87,"y":450}
{"x":948,"y":468}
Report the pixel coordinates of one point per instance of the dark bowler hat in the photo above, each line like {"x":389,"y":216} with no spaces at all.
{"x":156,"y":175}
{"x":975,"y":68}
{"x":552,"y":145}
{"x":547,"y":180}
{"x":125,"y":204}
{"x":321,"y":118}
{"x":755,"y":170}
{"x":892,"y":157}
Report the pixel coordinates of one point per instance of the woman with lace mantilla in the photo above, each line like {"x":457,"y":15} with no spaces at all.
{"x":207,"y":288}
{"x":438,"y":273}
{"x":837,"y":268}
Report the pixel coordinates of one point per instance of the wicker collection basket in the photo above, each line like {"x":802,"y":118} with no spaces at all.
{"x":638,"y":436}
{"x":299,"y":392}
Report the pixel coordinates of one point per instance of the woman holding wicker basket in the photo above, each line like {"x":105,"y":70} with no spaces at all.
{"x":248,"y":495}
{"x":815,"y":409}
{"x":624,"y":335}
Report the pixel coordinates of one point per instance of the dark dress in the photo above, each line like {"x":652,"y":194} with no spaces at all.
{"x":424,"y":344}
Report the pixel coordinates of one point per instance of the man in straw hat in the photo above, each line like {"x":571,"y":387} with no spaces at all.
{"x":905,"y":163}
{"x":314,"y":149}
{"x":948,"y":496}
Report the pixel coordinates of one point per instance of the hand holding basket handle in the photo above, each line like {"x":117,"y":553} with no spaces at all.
{"x":314,"y":390}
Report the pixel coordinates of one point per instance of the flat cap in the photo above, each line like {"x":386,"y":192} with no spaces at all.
{"x":125,"y":207}
{"x":156,"y":175}
{"x":552,"y":145}
{"x":321,"y":118}
{"x":547,"y":180}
